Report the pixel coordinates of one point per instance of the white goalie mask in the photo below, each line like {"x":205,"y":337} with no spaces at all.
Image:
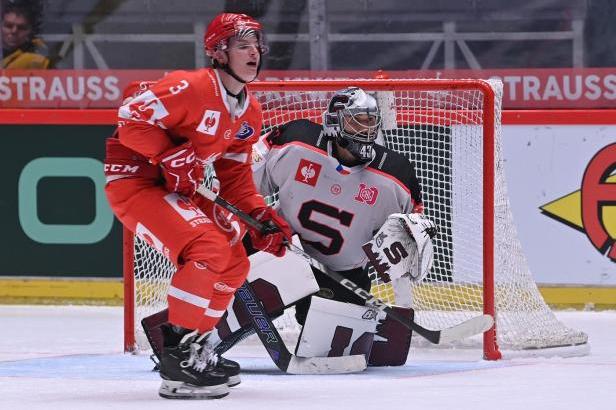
{"x":353,"y":116}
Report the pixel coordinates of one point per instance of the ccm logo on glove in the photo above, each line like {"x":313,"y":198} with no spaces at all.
{"x":181,"y":170}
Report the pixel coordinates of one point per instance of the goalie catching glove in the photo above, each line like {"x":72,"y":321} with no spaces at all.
{"x":402,"y":248}
{"x":275,"y":235}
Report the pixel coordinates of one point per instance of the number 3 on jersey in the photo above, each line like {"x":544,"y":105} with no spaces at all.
{"x":336,"y":239}
{"x":178,"y":88}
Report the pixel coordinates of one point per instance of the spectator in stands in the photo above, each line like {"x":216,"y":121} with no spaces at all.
{"x":21,"y":49}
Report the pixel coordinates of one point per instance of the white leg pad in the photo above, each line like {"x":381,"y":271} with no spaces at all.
{"x":290,"y":274}
{"x":277,"y":282}
{"x":335,"y":329}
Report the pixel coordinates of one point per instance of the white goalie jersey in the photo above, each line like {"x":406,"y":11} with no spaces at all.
{"x":334,"y":209}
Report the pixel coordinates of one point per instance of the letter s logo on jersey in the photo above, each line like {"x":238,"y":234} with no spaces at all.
{"x":146,"y":107}
{"x":209,"y":122}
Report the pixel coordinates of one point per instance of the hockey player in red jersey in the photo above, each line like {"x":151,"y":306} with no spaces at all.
{"x":168,"y":132}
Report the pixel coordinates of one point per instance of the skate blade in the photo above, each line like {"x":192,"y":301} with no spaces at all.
{"x":180,"y":390}
{"x":234,"y":381}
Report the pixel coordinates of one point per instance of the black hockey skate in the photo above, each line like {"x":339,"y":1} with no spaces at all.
{"x":189,"y":367}
{"x":229,"y":367}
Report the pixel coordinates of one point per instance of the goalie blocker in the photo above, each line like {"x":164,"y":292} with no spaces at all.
{"x":332,"y":328}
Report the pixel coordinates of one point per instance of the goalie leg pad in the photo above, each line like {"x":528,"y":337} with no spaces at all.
{"x":331,"y":289}
{"x":334,"y":329}
{"x":291,"y":275}
{"x":153,"y":331}
{"x":392,"y":341}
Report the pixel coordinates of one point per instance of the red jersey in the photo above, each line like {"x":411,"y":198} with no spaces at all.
{"x":193,"y":106}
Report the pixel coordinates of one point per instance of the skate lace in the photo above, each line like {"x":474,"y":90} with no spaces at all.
{"x":201,"y":356}
{"x":208,"y":356}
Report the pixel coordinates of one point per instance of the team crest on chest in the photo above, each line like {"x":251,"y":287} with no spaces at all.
{"x":308,"y":172}
{"x":245,"y":131}
{"x":366,"y":195}
{"x":209,"y":122}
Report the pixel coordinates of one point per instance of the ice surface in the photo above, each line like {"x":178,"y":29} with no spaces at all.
{"x":70,"y":357}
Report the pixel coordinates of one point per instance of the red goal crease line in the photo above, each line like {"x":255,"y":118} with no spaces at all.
{"x":15,"y":116}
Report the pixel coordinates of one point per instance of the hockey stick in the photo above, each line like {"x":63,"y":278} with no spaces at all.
{"x":470,"y":327}
{"x":285,"y":360}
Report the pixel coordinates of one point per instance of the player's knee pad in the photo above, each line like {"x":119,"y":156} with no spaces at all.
{"x":209,"y":249}
{"x":392,"y":341}
{"x":225,"y":285}
{"x":235,"y":274}
{"x":190,"y":296}
{"x":335,"y":329}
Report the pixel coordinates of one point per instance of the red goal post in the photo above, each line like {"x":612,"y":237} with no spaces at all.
{"x":451,"y":130}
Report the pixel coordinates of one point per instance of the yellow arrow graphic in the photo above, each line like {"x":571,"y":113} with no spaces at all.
{"x":568,"y":210}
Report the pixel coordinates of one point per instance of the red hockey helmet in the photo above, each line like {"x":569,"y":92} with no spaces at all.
{"x":227,"y":25}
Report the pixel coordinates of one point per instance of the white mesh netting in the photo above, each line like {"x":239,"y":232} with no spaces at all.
{"x":440,"y":129}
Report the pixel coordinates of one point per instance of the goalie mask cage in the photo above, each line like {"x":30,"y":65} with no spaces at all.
{"x":451,"y":131}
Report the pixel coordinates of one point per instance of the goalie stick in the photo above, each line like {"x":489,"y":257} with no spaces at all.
{"x":470,"y":327}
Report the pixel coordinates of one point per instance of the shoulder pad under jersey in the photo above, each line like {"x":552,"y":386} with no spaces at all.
{"x":304,"y":131}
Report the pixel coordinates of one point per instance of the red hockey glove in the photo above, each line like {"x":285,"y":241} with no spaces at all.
{"x":276,"y":233}
{"x":182,"y":171}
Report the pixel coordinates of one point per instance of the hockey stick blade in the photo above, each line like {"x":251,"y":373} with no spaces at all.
{"x":463,"y":330}
{"x":327,"y":365}
{"x":471,"y":327}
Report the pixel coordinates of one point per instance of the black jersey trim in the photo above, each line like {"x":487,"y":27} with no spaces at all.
{"x":304,"y":131}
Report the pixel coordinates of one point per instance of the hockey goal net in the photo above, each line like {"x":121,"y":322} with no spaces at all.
{"x":451,"y":131}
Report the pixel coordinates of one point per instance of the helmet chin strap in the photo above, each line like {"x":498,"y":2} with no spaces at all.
{"x":227,"y":69}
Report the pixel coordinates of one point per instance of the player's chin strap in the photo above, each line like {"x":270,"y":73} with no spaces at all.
{"x":227,"y":69}
{"x":470,"y":327}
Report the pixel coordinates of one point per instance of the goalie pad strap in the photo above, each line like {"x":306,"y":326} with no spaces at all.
{"x":331,"y":289}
